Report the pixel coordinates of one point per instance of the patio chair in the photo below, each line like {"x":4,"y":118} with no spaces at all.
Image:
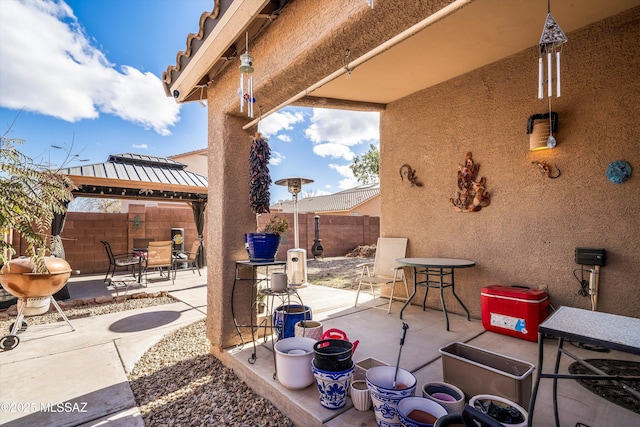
{"x":385,"y":271}
{"x":125,"y":260}
{"x":160,"y":256}
{"x":190,"y":258}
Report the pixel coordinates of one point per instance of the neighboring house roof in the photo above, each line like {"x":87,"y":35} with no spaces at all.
{"x":338,"y":202}
{"x":138,"y":176}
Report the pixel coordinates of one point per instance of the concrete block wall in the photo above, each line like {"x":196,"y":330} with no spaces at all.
{"x":338,"y":233}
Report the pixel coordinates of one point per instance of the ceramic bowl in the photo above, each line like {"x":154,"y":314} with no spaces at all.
{"x":384,"y":397}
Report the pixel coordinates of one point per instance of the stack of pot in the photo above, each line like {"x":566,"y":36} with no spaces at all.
{"x":333,"y":367}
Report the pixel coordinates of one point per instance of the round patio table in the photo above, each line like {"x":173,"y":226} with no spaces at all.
{"x":435,"y":270}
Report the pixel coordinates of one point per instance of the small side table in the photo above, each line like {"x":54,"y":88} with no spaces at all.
{"x":254,"y":281}
{"x":590,"y":327}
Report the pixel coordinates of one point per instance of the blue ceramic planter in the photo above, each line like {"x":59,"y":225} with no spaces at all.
{"x":285,"y":318}
{"x":262,"y":247}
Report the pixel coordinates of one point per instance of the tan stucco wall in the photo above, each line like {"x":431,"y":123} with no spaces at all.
{"x":196,"y":161}
{"x":528,"y":234}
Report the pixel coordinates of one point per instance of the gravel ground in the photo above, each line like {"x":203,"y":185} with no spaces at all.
{"x":86,"y":309}
{"x":178,"y":383}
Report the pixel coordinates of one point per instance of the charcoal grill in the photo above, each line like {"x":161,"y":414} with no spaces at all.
{"x":20,"y":281}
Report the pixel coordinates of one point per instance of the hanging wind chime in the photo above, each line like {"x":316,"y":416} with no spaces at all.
{"x":245,"y":91}
{"x":551,"y":42}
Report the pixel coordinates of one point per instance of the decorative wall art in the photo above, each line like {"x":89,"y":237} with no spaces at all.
{"x":471,"y":195}
{"x":545,"y":169}
{"x":407,"y":171}
{"x":618,"y":171}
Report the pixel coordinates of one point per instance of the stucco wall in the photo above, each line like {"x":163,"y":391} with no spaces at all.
{"x":528,"y":234}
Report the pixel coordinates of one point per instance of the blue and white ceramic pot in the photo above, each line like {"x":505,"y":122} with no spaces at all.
{"x":333,"y":386}
{"x":384,"y":396}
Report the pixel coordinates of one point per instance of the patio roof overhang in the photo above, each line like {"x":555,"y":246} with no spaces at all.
{"x":138,"y":177}
{"x":463,"y":36}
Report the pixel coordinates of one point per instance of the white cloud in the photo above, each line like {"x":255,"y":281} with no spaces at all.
{"x":51,"y":68}
{"x":283,"y":137}
{"x":334,"y":150}
{"x":343,"y":127}
{"x":276,"y":158}
{"x":140,"y":146}
{"x":276,"y":122}
{"x":348,"y":181}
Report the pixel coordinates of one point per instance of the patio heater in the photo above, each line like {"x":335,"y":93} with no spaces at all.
{"x":296,"y":257}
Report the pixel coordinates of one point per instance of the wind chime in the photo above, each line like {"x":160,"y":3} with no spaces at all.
{"x":245,"y":91}
{"x":551,"y":42}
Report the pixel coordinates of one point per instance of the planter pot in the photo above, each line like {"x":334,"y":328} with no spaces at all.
{"x":293,"y":362}
{"x":447,"y":395}
{"x":332,"y":386}
{"x":285,"y":318}
{"x":415,"y":411}
{"x":360,"y":395}
{"x":333,"y":355}
{"x":262,"y":247}
{"x":384,"y":396}
{"x":478,"y":371}
{"x":503,"y":410}
{"x":35,"y":306}
{"x":309,"y":329}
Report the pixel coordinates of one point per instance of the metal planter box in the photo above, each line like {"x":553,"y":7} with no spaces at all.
{"x":478,"y":371}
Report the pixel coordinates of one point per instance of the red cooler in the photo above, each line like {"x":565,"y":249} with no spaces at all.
{"x":514,"y":311}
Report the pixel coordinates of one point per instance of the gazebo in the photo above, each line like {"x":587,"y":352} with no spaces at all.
{"x":137,"y":177}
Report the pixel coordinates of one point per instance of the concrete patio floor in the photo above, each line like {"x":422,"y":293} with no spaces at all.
{"x":87,"y":369}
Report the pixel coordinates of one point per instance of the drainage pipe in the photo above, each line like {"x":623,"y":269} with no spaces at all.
{"x":409,"y":32}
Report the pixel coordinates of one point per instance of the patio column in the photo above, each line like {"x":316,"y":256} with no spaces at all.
{"x":229,"y":217}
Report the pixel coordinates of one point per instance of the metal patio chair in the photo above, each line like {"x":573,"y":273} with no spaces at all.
{"x":124,"y":260}
{"x":160,"y":256}
{"x":190,"y":258}
{"x":385,"y":271}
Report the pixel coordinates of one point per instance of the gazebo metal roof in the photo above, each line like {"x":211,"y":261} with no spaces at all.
{"x":140,"y":177}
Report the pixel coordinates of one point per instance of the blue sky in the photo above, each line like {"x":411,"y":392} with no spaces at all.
{"x":86,"y":73}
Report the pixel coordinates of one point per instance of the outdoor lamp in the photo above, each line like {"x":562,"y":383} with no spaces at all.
{"x":541,"y":128}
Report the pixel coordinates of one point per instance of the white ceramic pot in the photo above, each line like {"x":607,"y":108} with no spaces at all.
{"x":293,"y":362}
{"x":278,"y":282}
{"x":475,"y":401}
{"x":35,"y":306}
{"x":360,"y":395}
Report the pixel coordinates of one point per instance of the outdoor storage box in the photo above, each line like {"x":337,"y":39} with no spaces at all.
{"x":514,"y":311}
{"x":478,"y":371}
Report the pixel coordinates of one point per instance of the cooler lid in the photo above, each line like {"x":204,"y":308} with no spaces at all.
{"x":514,"y":292}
